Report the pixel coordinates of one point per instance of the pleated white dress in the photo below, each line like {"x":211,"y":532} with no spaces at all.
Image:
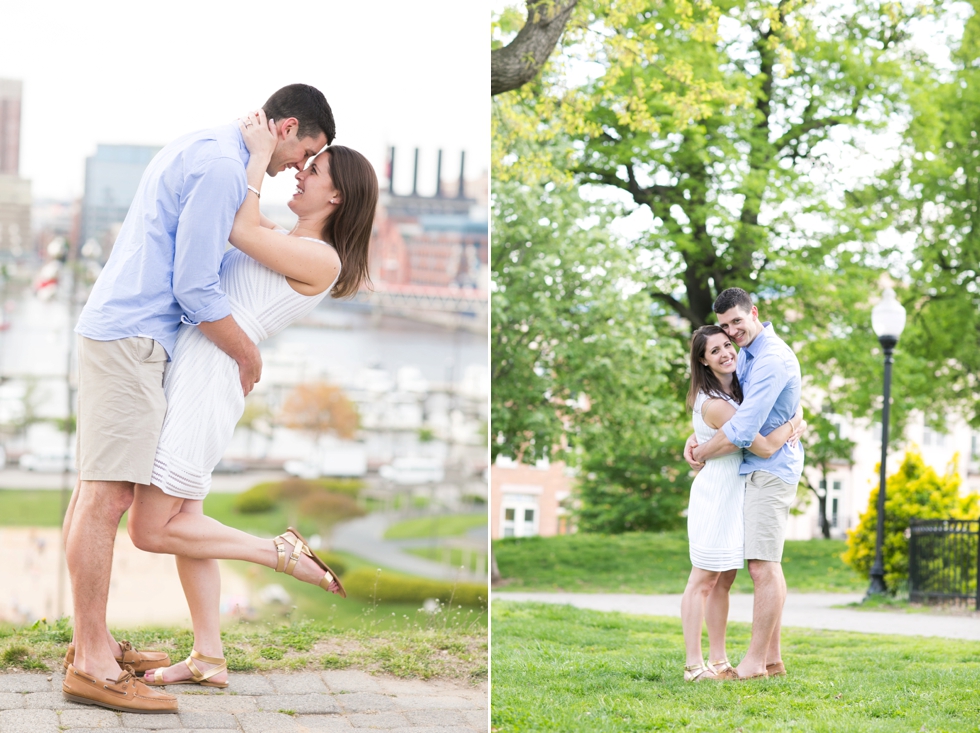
{"x":204,"y":392}
{"x":715,"y":526}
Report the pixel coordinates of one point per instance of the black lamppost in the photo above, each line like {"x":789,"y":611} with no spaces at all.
{"x":887,"y":320}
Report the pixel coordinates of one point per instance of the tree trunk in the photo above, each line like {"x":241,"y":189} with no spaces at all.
{"x":520,"y":60}
{"x":822,"y":514}
{"x":494,"y":570}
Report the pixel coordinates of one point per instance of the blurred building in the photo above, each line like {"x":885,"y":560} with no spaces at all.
{"x":51,"y":218}
{"x":526,"y":501}
{"x":431,"y":244}
{"x":15,"y":192}
{"x":112,"y":176}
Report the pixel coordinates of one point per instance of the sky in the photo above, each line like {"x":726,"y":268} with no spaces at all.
{"x":408,"y":74}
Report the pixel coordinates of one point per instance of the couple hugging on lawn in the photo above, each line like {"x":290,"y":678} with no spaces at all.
{"x":166,"y":355}
{"x":745,"y":449}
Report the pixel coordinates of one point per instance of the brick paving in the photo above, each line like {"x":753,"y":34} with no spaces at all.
{"x":323,"y":702}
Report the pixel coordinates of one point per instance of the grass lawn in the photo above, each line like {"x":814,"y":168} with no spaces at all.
{"x":450,"y":525}
{"x":30,"y":508}
{"x":455,"y":557}
{"x":651,"y":563}
{"x":435,"y":649}
{"x":557,"y":668}
{"x":310,"y":603}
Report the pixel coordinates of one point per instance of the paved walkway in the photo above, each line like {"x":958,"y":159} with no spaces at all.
{"x":260,"y":703}
{"x":364,"y":537}
{"x":809,"y":610}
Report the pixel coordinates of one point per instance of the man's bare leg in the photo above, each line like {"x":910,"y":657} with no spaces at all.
{"x":774,"y":654}
{"x":201,"y":581}
{"x":94,"y":518}
{"x":716,"y":616}
{"x":65,"y":529}
{"x":767,"y":608}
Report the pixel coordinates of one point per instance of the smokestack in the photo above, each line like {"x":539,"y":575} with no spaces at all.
{"x":415,"y":175}
{"x":391,"y":172}
{"x":439,"y":175}
{"x":462,"y":172}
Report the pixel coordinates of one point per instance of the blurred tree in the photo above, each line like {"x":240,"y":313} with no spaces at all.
{"x":824,"y":448}
{"x":320,"y":408}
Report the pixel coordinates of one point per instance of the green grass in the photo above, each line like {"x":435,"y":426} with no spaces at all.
{"x":451,"y":525}
{"x":439,"y":648}
{"x":438,"y":554}
{"x":651,"y":563}
{"x":310,"y":603}
{"x":30,"y":508}
{"x":557,"y":668}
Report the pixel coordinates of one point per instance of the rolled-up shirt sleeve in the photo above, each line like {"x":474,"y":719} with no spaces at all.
{"x":209,"y":200}
{"x":769,"y":376}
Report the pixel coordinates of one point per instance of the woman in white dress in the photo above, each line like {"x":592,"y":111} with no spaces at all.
{"x":714,"y":517}
{"x":271,"y":279}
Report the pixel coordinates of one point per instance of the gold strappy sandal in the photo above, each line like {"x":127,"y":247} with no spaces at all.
{"x":300,"y":548}
{"x":723,"y":670}
{"x":197,"y":677}
{"x":694,"y":672}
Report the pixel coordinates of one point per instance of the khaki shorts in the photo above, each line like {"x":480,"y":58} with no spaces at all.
{"x":121,"y":406}
{"x":767,"y":503}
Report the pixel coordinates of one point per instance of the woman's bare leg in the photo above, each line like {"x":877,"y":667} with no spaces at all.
{"x":716,"y":615}
{"x":699,"y":586}
{"x":157,"y":524}
{"x":201,"y":581}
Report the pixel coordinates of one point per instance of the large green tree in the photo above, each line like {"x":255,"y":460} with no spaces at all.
{"x":578,"y":367}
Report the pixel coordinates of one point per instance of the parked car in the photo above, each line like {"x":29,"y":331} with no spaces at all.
{"x":410,"y":470}
{"x":47,"y":462}
{"x":3,"y":458}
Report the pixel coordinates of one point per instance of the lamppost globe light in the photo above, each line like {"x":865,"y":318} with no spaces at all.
{"x":888,"y":317}
{"x":887,"y":320}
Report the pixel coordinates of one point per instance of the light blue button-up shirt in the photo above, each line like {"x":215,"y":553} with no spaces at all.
{"x":163,"y":268}
{"x":769,"y":373}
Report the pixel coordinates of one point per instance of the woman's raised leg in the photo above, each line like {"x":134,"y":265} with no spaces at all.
{"x":157,"y":524}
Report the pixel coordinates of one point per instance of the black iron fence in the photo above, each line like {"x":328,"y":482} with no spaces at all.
{"x":944,"y":560}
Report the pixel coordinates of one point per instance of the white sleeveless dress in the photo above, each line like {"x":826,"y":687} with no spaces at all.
{"x":202,"y":384}
{"x":715,"y":527}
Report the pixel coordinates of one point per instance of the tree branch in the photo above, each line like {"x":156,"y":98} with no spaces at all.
{"x":520,"y":60}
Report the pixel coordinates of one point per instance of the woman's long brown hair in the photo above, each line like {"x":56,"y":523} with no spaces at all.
{"x":348,"y":228}
{"x":702,"y":378}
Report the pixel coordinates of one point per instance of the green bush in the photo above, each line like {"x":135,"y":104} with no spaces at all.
{"x":915,"y":491}
{"x":334,"y":562}
{"x":369,"y":585}
{"x":260,"y":498}
{"x":264,"y":497}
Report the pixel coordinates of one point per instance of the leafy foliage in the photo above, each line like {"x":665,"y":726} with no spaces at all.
{"x":320,"y":408}
{"x":915,"y":491}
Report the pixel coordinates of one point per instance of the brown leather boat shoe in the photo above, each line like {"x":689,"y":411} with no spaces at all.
{"x":776,"y":669}
{"x":140,"y":661}
{"x":126,"y":694}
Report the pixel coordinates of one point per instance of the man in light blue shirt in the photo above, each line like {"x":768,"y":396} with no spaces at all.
{"x":769,"y":374}
{"x":163,"y":271}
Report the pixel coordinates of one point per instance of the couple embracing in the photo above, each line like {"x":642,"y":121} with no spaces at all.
{"x":166,"y":355}
{"x":745,"y":449}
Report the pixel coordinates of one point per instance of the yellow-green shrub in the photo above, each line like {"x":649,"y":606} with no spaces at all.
{"x":369,"y":585}
{"x":334,"y":562}
{"x":255,"y":500}
{"x":915,"y":491}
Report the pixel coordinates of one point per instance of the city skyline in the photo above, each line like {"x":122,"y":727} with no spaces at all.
{"x":407,"y":81}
